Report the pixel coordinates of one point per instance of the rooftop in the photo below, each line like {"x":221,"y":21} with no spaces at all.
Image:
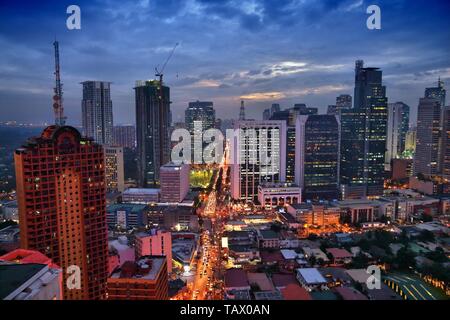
{"x":311,"y":275}
{"x":261,"y":280}
{"x":13,"y":276}
{"x":338,"y":253}
{"x":147,"y":268}
{"x":139,"y":191}
{"x":282,"y":280}
{"x":348,"y":293}
{"x":236,"y":278}
{"x":295,"y":292}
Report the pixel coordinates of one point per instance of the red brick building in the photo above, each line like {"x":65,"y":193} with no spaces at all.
{"x":62,"y":206}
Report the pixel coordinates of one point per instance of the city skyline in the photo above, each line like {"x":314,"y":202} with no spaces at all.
{"x":311,"y":66}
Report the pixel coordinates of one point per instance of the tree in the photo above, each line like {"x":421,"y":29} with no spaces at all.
{"x":405,"y":259}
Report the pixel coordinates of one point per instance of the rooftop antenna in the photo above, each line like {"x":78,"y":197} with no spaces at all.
{"x":58,"y":108}
{"x":242,"y":111}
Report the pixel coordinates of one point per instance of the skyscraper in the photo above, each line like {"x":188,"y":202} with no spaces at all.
{"x":343,"y":102}
{"x":242,"y":111}
{"x":363,"y":136}
{"x":152,"y":130}
{"x":124,"y":136}
{"x":62,"y":206}
{"x":445,"y":144}
{"x":97,"y":114}
{"x":398,"y":126}
{"x":114,"y":169}
{"x":317,"y":157}
{"x":426,"y":157}
{"x":437,"y":93}
{"x":258,"y":156}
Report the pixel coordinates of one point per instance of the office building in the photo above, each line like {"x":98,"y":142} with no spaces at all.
{"x":141,"y":195}
{"x":272,"y":195}
{"x":126,"y":216}
{"x":445,"y":143}
{"x":363,"y":136}
{"x":410,"y":140}
{"x":152,"y":130}
{"x":315,"y":215}
{"x":62,"y":205}
{"x":438,"y":93}
{"x":145,"y":279}
{"x":398,"y":126}
{"x":317,"y":157}
{"x":155,"y":243}
{"x":124,"y":136}
{"x":114,"y":169}
{"x":174,"y":182}
{"x":258,"y":156}
{"x":343,"y":102}
{"x":97,"y":112}
{"x":426,"y":156}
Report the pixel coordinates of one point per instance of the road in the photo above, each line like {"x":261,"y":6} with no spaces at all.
{"x":208,"y":277}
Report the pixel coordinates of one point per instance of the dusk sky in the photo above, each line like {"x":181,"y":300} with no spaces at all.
{"x":272,"y":51}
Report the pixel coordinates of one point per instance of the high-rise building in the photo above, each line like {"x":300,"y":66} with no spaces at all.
{"x":343,"y":102}
{"x":97,"y":112}
{"x":445,"y":144}
{"x":242,"y":111}
{"x":258,"y":156}
{"x":437,"y":93}
{"x":200,"y":111}
{"x":114,"y":169}
{"x":317,"y":157}
{"x":174,"y":182}
{"x":290,"y":154}
{"x":426,"y":157}
{"x":124,"y":136}
{"x":155,"y":243}
{"x":363,"y":136}
{"x":398,"y":126}
{"x":410,"y":140}
{"x":62,"y":206}
{"x":266,"y":114}
{"x":152,"y":130}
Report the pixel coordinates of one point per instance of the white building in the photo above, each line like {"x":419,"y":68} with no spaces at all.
{"x":258,"y":155}
{"x":114,"y":169}
{"x":278,"y":194}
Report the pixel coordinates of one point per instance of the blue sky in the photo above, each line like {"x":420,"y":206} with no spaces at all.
{"x":268,"y":51}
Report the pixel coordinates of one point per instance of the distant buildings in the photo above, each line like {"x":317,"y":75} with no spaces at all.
{"x":438,"y":93}
{"x":114,"y":169}
{"x":61,"y":194}
{"x":124,"y":136}
{"x":200,"y":111}
{"x":317,"y":157}
{"x":97,"y":112}
{"x":141,"y":195}
{"x":145,"y":279}
{"x":445,"y":144}
{"x":426,"y":156}
{"x":174,"y":182}
{"x":343,"y":102}
{"x":398,"y":126}
{"x":259,"y":156}
{"x":152,"y":130}
{"x":317,"y":215}
{"x":363,"y":136}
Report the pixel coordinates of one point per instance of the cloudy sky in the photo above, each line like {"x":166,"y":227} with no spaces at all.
{"x":265,"y":51}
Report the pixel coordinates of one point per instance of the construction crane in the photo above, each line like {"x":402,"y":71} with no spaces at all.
{"x":58,"y":108}
{"x":159,"y":73}
{"x":164,"y":114}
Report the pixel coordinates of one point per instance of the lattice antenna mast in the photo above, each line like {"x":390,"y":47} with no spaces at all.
{"x":58,"y":108}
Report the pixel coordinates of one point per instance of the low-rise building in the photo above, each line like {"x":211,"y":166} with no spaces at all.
{"x":126,"y":215}
{"x":310,"y":278}
{"x":340,"y":256}
{"x":268,"y":239}
{"x":145,"y":279}
{"x":155,"y":243}
{"x":271,"y":195}
{"x":318,"y":215}
{"x":141,"y":195}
